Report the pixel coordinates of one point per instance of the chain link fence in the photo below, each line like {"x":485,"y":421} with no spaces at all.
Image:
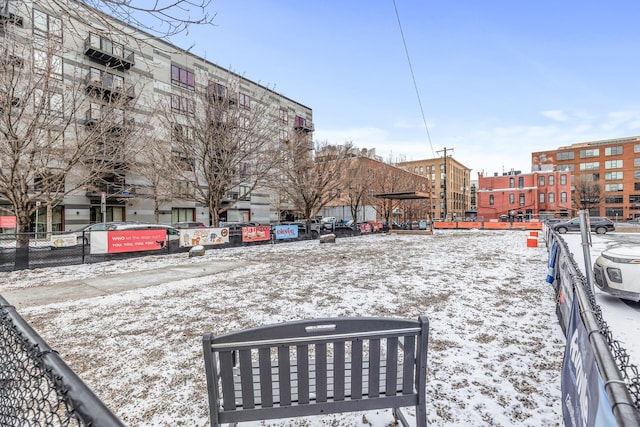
{"x":36,"y":387}
{"x":622,"y":378}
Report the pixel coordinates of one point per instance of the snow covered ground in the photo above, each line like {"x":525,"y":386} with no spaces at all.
{"x":495,"y":348}
{"x":622,"y":317}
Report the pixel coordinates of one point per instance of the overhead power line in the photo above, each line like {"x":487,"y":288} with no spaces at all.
{"x":415,"y":85}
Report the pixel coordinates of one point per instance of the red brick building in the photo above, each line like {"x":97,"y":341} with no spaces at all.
{"x":524,"y":196}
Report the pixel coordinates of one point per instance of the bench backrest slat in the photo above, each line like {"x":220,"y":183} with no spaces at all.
{"x":226,"y":377}
{"x":246,"y":379}
{"x":266,"y":384}
{"x":321,"y":372}
{"x":356,"y":369}
{"x":284,"y":375}
{"x":302,"y":353}
{"x":374,"y":368}
{"x":338,"y":370}
{"x":409,"y":368}
{"x":392,"y":367}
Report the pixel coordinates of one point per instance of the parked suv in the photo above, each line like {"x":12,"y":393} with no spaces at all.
{"x":599,"y":224}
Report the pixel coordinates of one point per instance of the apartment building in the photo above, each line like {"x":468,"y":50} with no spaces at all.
{"x":450,"y":182}
{"x":515,"y":196}
{"x":106,"y":79}
{"x":605,"y":175}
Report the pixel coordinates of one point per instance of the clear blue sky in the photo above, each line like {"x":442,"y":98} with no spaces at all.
{"x":497,"y":79}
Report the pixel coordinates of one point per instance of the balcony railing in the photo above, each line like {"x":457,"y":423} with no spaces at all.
{"x":108,"y":53}
{"x":302,"y":124}
{"x":108,"y":118}
{"x":107,"y":86}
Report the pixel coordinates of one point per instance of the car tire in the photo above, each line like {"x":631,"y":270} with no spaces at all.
{"x":314,"y":234}
{"x":601,"y":230}
{"x":561,"y":230}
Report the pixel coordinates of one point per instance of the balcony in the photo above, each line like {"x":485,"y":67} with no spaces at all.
{"x":10,"y":18}
{"x":112,"y":191}
{"x":108,"y":85}
{"x":108,"y":53}
{"x":301,"y":124}
{"x":111,"y":119}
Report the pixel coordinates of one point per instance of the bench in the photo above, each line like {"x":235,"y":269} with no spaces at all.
{"x":315,"y":367}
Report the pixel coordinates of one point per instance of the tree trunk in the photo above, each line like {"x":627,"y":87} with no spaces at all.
{"x":22,"y":239}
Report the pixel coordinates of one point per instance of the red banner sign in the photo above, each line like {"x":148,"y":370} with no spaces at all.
{"x":135,"y":240}
{"x":8,"y":222}
{"x":256,"y":234}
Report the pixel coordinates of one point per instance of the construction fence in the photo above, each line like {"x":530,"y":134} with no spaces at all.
{"x":599,"y":384}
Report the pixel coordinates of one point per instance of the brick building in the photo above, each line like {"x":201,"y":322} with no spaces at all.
{"x":451,"y":184}
{"x":524,"y":196}
{"x":610,"y":169}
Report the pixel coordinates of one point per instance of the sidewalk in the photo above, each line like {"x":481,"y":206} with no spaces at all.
{"x":110,"y":284}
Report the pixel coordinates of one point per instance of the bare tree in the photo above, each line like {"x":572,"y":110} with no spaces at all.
{"x":357,"y":188}
{"x":587,"y":194}
{"x":224,"y":144}
{"x":154,"y":172}
{"x":54,"y":138}
{"x":312,"y":174}
{"x":162,"y":18}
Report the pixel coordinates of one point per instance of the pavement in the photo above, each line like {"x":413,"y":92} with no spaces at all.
{"x":111,"y":284}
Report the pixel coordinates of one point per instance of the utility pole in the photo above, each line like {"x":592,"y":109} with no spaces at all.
{"x":446,"y":195}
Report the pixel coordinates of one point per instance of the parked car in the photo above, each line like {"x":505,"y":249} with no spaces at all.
{"x":599,"y":224}
{"x":84,"y":234}
{"x":189,"y":224}
{"x":617,"y":271}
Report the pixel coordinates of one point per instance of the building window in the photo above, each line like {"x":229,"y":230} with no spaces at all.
{"x":613,"y":187}
{"x":613,"y":164}
{"x":614,"y":199}
{"x":563,"y":179}
{"x":613,"y":151}
{"x":48,"y":103}
{"x":552,"y":197}
{"x":284,"y":116}
{"x":48,"y":64}
{"x":589,"y":166}
{"x":543,"y":157}
{"x":512,"y":182}
{"x":636,"y":175}
{"x":614,"y":212}
{"x":284,"y":135}
{"x":491,"y":199}
{"x":585,"y":154}
{"x":636,"y":162}
{"x":245,"y":101}
{"x":612,"y":176}
{"x":563,"y":197}
{"x":183,"y":77}
{"x":182,"y":215}
{"x":421,"y":170}
{"x":520,"y":182}
{"x":182,"y":105}
{"x":636,"y":148}
{"x":541,"y":180}
{"x":541,"y":197}
{"x":46,"y":25}
{"x":551,"y":180}
{"x":512,"y":198}
{"x":634,"y":198}
{"x":567,"y":155}
{"x":521,"y":199}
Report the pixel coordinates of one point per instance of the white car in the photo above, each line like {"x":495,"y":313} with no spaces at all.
{"x":617,"y":271}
